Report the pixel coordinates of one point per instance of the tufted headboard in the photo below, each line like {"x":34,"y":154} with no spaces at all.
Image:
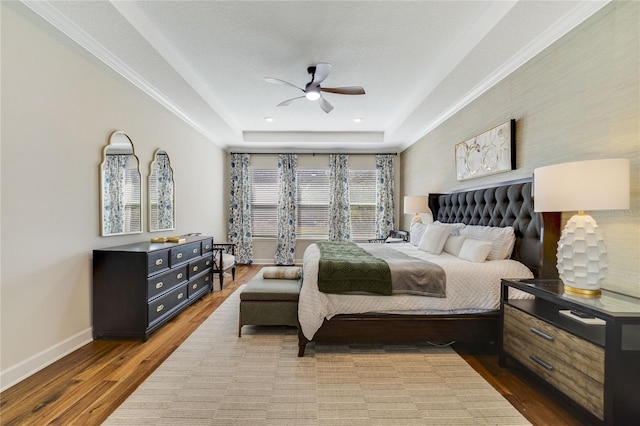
{"x":506,"y":204}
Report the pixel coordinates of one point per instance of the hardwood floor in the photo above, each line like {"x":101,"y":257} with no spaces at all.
{"x":84,"y":387}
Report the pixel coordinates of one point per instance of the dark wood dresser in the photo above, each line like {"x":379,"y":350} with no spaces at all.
{"x":138,"y":287}
{"x":589,"y":349}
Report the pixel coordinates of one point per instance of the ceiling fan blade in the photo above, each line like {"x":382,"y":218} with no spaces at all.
{"x":284,"y":83}
{"x":326,"y":106}
{"x":322,"y":71}
{"x":350,"y":90}
{"x":288,"y":101}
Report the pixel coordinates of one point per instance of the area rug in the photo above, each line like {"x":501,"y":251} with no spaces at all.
{"x":217,"y":378}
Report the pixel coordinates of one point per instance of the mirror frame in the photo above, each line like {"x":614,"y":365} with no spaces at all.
{"x":116,"y":140}
{"x":152,"y":166}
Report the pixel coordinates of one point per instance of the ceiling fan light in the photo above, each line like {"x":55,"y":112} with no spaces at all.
{"x":312,"y":95}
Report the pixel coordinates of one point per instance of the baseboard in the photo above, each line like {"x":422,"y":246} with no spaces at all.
{"x":270,"y":262}
{"x":37,"y":362}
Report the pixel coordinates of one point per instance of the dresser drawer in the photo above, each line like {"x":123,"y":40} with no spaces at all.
{"x":200,"y":265}
{"x":165,"y":303}
{"x":184,"y":253}
{"x":200,"y":282}
{"x":160,"y":283}
{"x":207,"y":246}
{"x":157,"y":261}
{"x":571,"y":364}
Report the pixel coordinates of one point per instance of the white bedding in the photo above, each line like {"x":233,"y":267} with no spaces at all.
{"x":471,"y":288}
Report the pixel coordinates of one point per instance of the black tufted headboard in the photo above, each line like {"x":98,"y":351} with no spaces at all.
{"x":506,"y":204}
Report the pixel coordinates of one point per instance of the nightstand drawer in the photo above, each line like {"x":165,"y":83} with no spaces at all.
{"x":571,"y":364}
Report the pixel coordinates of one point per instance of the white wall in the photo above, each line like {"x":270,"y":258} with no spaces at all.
{"x":577,"y":100}
{"x":59,"y":106}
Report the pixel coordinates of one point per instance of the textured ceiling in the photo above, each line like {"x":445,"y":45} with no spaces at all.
{"x":419,"y":61}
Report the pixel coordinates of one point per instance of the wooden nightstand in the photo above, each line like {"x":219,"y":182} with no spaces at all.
{"x":594,"y":361}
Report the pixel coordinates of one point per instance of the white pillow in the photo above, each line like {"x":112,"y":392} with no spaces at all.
{"x":502,"y":239}
{"x":474,"y":250}
{"x":415,"y":235}
{"x":454,"y":227}
{"x":454,"y":244}
{"x":434,"y":238}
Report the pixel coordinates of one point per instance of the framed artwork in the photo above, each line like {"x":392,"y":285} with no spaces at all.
{"x":488,"y":153}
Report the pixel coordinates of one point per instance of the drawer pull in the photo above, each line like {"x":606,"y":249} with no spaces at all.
{"x":180,"y":296}
{"x":541,"y":362}
{"x":195,"y":251}
{"x":158,"y":262}
{"x":195,"y":268}
{"x":159,"y":308}
{"x":207,"y":247}
{"x":206,"y":279}
{"x":541,"y":334}
{"x":194,"y":286}
{"x":180,"y":275}
{"x":208,"y":262}
{"x":159,"y":285}
{"x":179,"y":256}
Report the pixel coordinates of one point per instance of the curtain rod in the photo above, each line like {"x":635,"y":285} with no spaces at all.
{"x":316,"y":153}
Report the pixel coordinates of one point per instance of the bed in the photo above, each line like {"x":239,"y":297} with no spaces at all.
{"x":501,"y":205}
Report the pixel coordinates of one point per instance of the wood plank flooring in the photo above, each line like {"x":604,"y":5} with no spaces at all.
{"x":84,"y":387}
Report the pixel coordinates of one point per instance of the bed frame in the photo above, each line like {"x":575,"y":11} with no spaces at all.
{"x":504,"y":204}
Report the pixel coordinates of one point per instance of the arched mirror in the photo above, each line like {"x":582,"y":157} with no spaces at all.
{"x":120,"y":188}
{"x":162,"y":216}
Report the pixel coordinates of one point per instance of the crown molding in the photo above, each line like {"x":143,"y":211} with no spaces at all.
{"x":571,"y":20}
{"x":49,"y":13}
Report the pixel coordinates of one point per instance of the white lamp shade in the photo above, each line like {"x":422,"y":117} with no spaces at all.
{"x":416,"y":204}
{"x":582,"y":185}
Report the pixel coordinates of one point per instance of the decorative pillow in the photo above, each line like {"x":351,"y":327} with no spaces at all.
{"x":474,"y":250}
{"x":417,"y":229}
{"x":434,"y":238}
{"x":454,"y":244}
{"x":454,"y":227}
{"x":502,"y":239}
{"x":281,"y":272}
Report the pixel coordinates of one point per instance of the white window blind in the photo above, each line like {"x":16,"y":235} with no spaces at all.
{"x":313,"y":203}
{"x":132,"y":201}
{"x":264,"y":202}
{"x":362,"y":203}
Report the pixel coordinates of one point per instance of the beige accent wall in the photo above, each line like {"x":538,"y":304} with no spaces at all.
{"x":59,"y":106}
{"x":577,"y":100}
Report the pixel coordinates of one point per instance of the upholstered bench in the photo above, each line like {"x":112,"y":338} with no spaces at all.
{"x":271,"y":301}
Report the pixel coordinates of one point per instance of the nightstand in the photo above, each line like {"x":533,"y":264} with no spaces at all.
{"x":593,"y":359}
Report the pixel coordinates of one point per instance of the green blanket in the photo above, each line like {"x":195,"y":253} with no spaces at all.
{"x":345,"y":267}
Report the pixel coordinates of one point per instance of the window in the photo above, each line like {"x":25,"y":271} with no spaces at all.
{"x":313,"y":203}
{"x":264,"y":202}
{"x":362,"y":203}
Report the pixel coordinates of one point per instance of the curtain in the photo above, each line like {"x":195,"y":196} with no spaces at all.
{"x":384,"y":195}
{"x":240,"y":209}
{"x":114,"y":193}
{"x":339,"y":213}
{"x":287,"y":200}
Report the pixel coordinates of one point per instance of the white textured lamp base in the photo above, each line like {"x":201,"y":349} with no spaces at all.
{"x":582,"y":256}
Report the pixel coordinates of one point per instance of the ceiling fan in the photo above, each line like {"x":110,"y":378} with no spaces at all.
{"x":312,"y":90}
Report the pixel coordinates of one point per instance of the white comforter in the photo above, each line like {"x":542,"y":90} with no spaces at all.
{"x":471,"y":288}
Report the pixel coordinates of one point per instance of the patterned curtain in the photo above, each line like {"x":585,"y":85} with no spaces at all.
{"x":384,"y":198}
{"x":339,"y":213}
{"x":114,"y":193}
{"x":165,"y":192}
{"x":287,"y":199}
{"x":240,"y":209}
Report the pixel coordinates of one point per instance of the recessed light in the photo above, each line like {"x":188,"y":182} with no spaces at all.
{"x":269,"y":119}
{"x":357,"y":120}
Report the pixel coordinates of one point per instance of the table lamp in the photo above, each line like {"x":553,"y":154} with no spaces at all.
{"x":416,"y":204}
{"x":580,"y":186}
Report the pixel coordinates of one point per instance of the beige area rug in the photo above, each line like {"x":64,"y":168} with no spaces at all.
{"x":216,"y":378}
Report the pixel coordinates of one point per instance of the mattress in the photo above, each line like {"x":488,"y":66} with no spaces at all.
{"x":471,"y":288}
